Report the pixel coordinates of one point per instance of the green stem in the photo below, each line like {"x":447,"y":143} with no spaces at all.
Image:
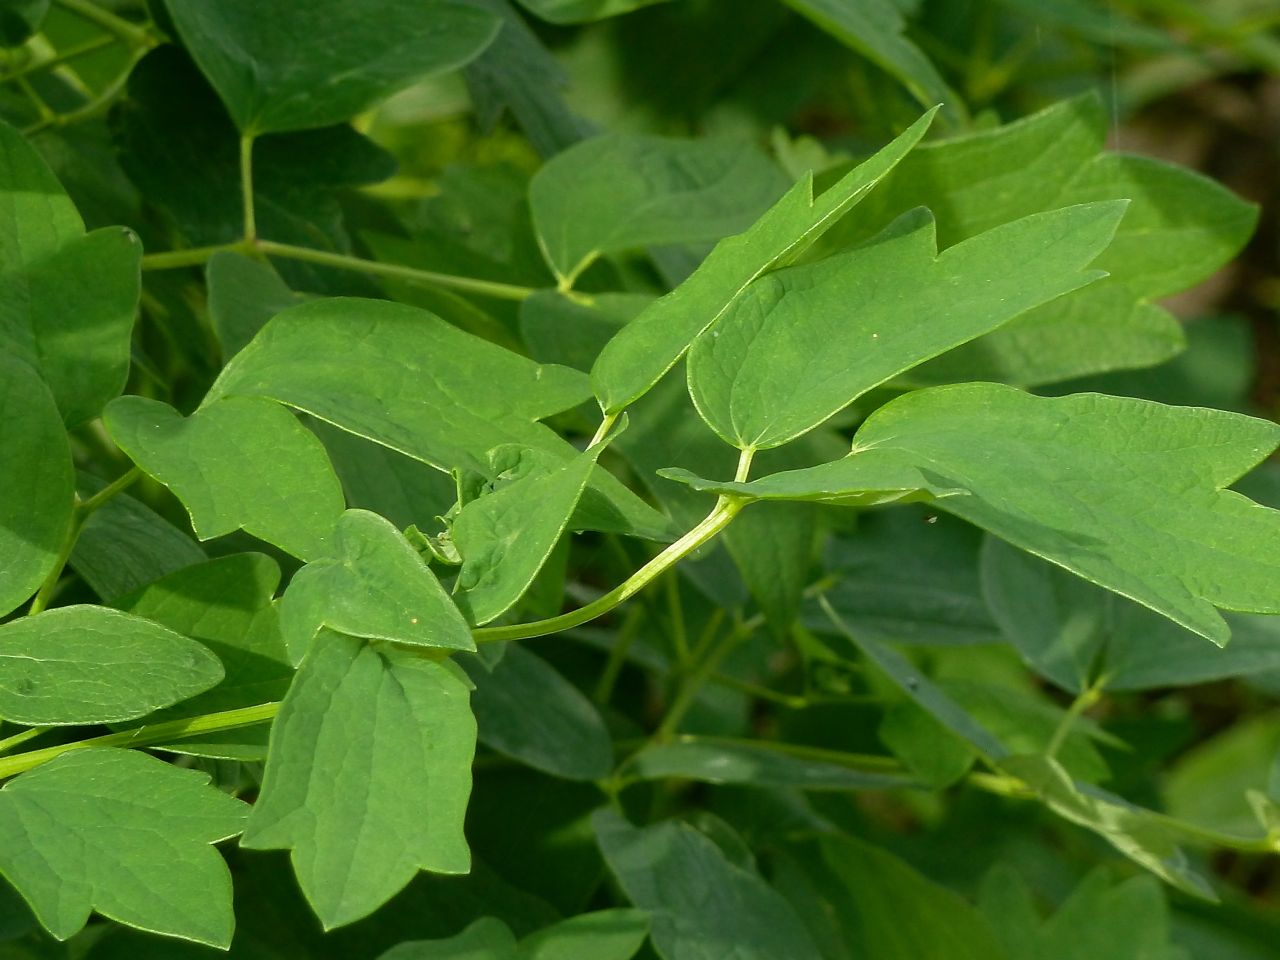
{"x":9,"y":743}
{"x":692,"y":684}
{"x":98,"y":104}
{"x":246,"y":188}
{"x":117,"y":486}
{"x":602,"y":431}
{"x":142,"y":736}
{"x":719,"y":518}
{"x":194,"y":257}
{"x":71,"y":53}
{"x":569,"y":279}
{"x":618,"y":655}
{"x":131,"y":33}
{"x":1086,"y":699}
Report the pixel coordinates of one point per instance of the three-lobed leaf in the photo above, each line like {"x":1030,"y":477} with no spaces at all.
{"x":846,"y":324}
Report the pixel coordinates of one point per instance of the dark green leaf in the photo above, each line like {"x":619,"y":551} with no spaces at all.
{"x":80,"y":665}
{"x":238,"y":463}
{"x":243,"y":295}
{"x":578,"y":11}
{"x":278,"y":66}
{"x":20,"y":19}
{"x":125,"y":834}
{"x":368,"y":775}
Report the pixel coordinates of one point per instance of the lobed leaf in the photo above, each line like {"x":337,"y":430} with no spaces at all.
{"x":368,"y":775}
{"x":241,"y":463}
{"x":855,"y":320}
{"x":124,"y":834}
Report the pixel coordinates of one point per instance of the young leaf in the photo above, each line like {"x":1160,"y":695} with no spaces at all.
{"x":373,"y":584}
{"x":278,"y":66}
{"x":37,"y":484}
{"x":81,"y":665}
{"x":1126,"y":493}
{"x":368,"y":775}
{"x":637,"y":357}
{"x":241,"y":463}
{"x":803,"y":343}
{"x":875,"y":29}
{"x":125,"y":834}
{"x":404,"y":378}
{"x":224,"y":603}
{"x":701,"y":906}
{"x":627,"y":191}
{"x":67,"y":299}
{"x":505,"y":536}
{"x":527,"y":711}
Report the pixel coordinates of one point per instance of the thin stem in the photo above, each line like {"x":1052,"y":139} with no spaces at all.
{"x":488,"y":288}
{"x":692,"y":684}
{"x":246,"y":187}
{"x":744,"y":465}
{"x":719,"y":518}
{"x":618,"y":655}
{"x":142,"y":736}
{"x":194,"y":257}
{"x":119,"y":485}
{"x":129,"y":32}
{"x":8,"y":743}
{"x":96,"y":105}
{"x":675,"y":611}
{"x":1086,"y":699}
{"x":71,"y":53}
{"x":602,"y":431}
{"x":569,"y":279}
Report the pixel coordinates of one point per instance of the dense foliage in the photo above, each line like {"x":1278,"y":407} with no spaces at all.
{"x":593,"y":479}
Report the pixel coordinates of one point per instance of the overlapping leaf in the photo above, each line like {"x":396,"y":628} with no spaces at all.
{"x":368,"y":775}
{"x":241,"y":463}
{"x":801,"y":344}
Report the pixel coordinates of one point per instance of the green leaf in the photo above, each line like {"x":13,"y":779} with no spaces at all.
{"x":124,"y":545}
{"x":368,"y":775}
{"x":403,"y":378}
{"x":224,"y":603}
{"x":243,"y":295}
{"x":37,"y":484}
{"x":80,"y":665}
{"x":372,"y":584}
{"x":125,"y":834}
{"x":614,"y":934}
{"x":485,"y":939}
{"x":716,"y":761}
{"x":645,"y":349}
{"x":1209,"y":785}
{"x":581,"y":11}
{"x":622,"y":192}
{"x":240,"y":463}
{"x":281,"y":67}
{"x":526,"y":710}
{"x":1180,"y":227}
{"x":701,"y":906}
{"x":1126,"y":493}
{"x":20,"y":19}
{"x":875,"y":29}
{"x":883,"y":908}
{"x":878,"y":311}
{"x":505,"y":536}
{"x":558,"y":329}
{"x":67,"y":299}
{"x":1135,"y":832}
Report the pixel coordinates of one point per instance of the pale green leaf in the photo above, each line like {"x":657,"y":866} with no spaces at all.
{"x":372,"y":584}
{"x":87,"y":664}
{"x":614,"y":934}
{"x":701,"y":905}
{"x":1209,"y":784}
{"x":403,"y":378}
{"x":124,"y":834}
{"x":67,"y":299}
{"x":224,"y":603}
{"x":241,"y":463}
{"x":368,"y":775}
{"x":710,"y":760}
{"x":526,"y":710}
{"x":581,"y":11}
{"x":622,"y":192}
{"x":875,"y":29}
{"x":805,"y":342}
{"x":485,"y":939}
{"x":1126,"y":493}
{"x":505,"y":536}
{"x":1135,"y":832}
{"x":637,"y":357}
{"x":281,"y":66}
{"x":37,"y":483}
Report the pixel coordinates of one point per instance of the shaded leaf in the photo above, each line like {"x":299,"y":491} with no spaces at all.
{"x":368,"y":775}
{"x":278,"y":66}
{"x":646,"y":348}
{"x":125,"y":834}
{"x":240,"y":463}
{"x":243,"y":295}
{"x":86,"y":664}
{"x":580,"y":11}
